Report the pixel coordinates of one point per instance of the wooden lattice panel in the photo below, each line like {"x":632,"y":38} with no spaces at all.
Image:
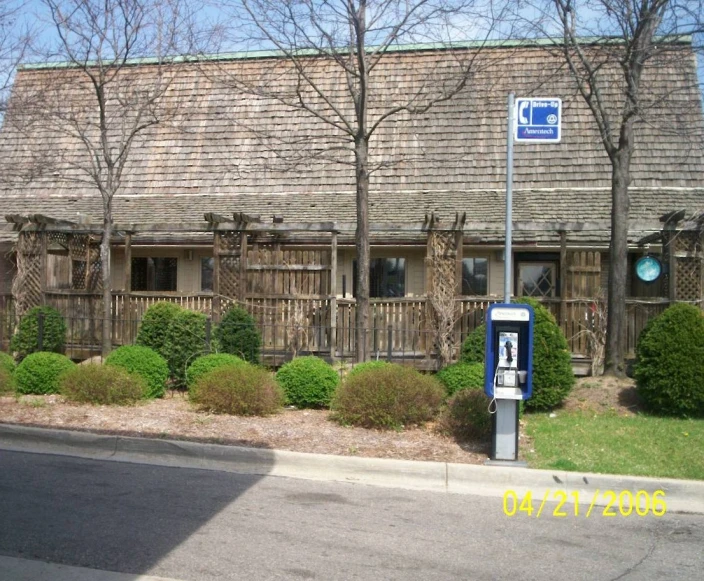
{"x":27,"y":285}
{"x":84,"y":252}
{"x":688,"y":279}
{"x":230,"y":276}
{"x":687,"y":242}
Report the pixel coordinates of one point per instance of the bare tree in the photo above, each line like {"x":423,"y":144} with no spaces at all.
{"x":98,"y":102}
{"x":331,"y":54}
{"x":610,"y":47}
{"x":14,"y":39}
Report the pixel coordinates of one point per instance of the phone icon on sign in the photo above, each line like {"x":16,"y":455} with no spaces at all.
{"x":522,"y":117}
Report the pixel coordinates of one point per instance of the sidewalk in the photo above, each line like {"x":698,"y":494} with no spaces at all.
{"x":680,"y":495}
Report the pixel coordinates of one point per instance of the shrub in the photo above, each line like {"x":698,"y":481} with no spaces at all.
{"x":207,"y":363}
{"x":38,"y":373}
{"x":7,"y":362}
{"x":184,"y":341}
{"x":243,"y":390}
{"x":462,"y":376}
{"x":26,"y":339}
{"x":669,"y":370}
{"x":144,"y":362}
{"x":466,"y":416}
{"x":103,"y":385}
{"x":362,"y":367}
{"x":553,"y":377}
{"x":237,"y":334}
{"x":474,"y":346}
{"x":308,"y":382}
{"x":387,"y":397}
{"x":155,"y":323}
{"x":7,"y":382}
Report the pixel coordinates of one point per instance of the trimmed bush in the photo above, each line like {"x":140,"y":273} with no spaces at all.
{"x":102,"y":385}
{"x":144,"y":362}
{"x":553,"y":377}
{"x":237,"y":334}
{"x":243,"y":390}
{"x":26,"y":339}
{"x":38,"y":373}
{"x":389,"y":397}
{"x":7,"y":382}
{"x":184,"y":342}
{"x":308,"y":382}
{"x":7,"y":362}
{"x":362,"y":367}
{"x":155,"y":323}
{"x":669,"y":370}
{"x":462,"y":376}
{"x":466,"y":416}
{"x":208,"y":363}
{"x":473,"y":348}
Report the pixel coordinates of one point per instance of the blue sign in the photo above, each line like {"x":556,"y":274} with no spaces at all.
{"x":538,"y":120}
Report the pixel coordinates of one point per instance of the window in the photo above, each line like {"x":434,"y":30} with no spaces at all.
{"x":387,"y":278}
{"x":537,"y":279}
{"x":206,"y":273}
{"x":475,"y":276}
{"x":154,"y":274}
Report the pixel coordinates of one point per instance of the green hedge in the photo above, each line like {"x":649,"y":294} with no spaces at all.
{"x":26,"y":339}
{"x":184,"y":342}
{"x":244,"y":390}
{"x":669,"y":370}
{"x":39,"y":373}
{"x":7,"y":362}
{"x":237,"y":334}
{"x":102,"y":385}
{"x":155,"y":323}
{"x":208,"y":363}
{"x":144,"y":362}
{"x":388,"y":397}
{"x":308,"y":382}
{"x":461,"y":376}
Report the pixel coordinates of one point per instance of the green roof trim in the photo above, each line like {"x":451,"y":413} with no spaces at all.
{"x":272,"y":54}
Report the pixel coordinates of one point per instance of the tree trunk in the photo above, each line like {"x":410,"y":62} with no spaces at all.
{"x":363,"y":335}
{"x":618,"y":261}
{"x":107,"y":287}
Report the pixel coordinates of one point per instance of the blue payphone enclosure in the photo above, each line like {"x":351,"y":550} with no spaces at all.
{"x":508,"y":362}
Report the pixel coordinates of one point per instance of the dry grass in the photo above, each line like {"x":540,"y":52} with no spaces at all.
{"x":173,"y":417}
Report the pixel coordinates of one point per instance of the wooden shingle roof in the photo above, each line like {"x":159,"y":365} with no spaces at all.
{"x":224,"y":151}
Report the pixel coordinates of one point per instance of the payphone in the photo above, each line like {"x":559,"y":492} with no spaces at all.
{"x":508,"y":372}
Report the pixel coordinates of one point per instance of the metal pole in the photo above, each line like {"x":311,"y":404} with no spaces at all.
{"x":509,"y":202}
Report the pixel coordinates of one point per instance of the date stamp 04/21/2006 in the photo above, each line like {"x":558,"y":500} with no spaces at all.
{"x":606,"y":503}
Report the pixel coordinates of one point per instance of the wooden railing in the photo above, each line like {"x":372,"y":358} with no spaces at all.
{"x":398,"y":326}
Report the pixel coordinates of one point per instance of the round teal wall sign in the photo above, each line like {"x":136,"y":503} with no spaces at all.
{"x":648,"y":269}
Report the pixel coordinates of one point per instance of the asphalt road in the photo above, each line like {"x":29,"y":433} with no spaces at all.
{"x":204,"y":525}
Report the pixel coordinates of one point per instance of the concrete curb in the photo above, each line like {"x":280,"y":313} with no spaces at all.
{"x":680,"y":495}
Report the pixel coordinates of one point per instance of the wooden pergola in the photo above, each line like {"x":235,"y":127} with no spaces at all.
{"x":286,"y":274}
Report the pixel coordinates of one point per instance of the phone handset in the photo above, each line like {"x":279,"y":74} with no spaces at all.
{"x":522,"y":118}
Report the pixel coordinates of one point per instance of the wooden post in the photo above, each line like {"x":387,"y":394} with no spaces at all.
{"x":563,"y":280}
{"x":129,"y":327}
{"x":43,"y":265}
{"x":243,"y":267}
{"x":672,"y":263}
{"x":333,"y":297}
{"x":216,"y":277}
{"x":128,"y":266}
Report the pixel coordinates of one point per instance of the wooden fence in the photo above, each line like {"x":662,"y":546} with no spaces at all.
{"x":398,"y":326}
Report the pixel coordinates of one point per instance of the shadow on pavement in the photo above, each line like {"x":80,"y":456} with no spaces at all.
{"x":105,"y":515}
